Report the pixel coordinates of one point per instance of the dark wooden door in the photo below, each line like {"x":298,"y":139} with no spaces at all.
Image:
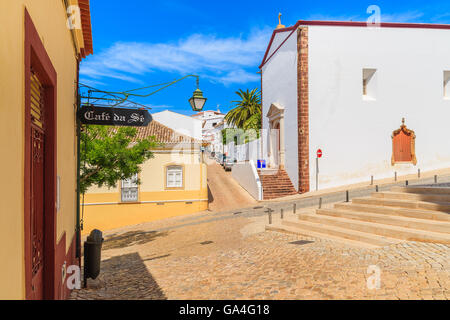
{"x":37,"y":187}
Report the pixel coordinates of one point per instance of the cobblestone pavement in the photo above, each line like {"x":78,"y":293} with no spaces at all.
{"x":237,"y":259}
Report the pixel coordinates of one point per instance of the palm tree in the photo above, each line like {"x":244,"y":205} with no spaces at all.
{"x":247,"y":111}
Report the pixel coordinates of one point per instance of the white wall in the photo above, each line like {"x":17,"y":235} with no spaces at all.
{"x":279,"y":85}
{"x":245,"y":152}
{"x":355,"y":134}
{"x":246,"y":175}
{"x":277,"y":40}
{"x":180,"y":123}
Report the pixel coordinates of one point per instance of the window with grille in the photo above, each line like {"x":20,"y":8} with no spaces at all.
{"x":174,"y":177}
{"x":130,"y":189}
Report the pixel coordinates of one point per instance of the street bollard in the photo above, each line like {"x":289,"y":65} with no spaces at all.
{"x":269,"y":211}
{"x":347,"y":196}
{"x":295,"y":208}
{"x":376,"y":188}
{"x":282,"y":214}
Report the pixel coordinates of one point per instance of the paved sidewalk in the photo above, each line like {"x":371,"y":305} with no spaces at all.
{"x":236,"y":259}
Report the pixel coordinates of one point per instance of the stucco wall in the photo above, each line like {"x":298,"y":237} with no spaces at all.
{"x":49,"y":19}
{"x":355,"y":134}
{"x":279,"y":85}
{"x":104,"y":210}
{"x":246,"y":175}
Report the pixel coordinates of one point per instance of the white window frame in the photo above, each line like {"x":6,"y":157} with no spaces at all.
{"x":174,"y":176}
{"x":129,"y":191}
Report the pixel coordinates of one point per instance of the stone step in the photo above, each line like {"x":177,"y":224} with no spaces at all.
{"x":421,"y":224}
{"x":326,"y":230}
{"x":394,"y":211}
{"x":277,"y":185}
{"x":313,"y":234}
{"x":422,"y":190}
{"x":412,"y":196}
{"x":380,"y":229}
{"x":435,"y":206}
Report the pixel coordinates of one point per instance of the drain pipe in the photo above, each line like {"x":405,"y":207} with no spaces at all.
{"x":78,"y":227}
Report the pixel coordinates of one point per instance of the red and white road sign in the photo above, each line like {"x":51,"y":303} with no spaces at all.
{"x":319,"y":153}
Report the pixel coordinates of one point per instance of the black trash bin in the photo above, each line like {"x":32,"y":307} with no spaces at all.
{"x":92,"y":255}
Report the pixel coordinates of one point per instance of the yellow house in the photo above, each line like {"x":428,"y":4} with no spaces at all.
{"x":173,"y":183}
{"x":41,"y":45}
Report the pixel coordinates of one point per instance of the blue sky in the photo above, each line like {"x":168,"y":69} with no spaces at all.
{"x":144,"y":42}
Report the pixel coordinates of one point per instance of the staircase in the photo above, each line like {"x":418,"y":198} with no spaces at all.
{"x":403,"y":214}
{"x":276,"y":184}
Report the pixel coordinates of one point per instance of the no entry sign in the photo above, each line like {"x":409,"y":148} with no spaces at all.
{"x":114,"y":116}
{"x":319,"y":153}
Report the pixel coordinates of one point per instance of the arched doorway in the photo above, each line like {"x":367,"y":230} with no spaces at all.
{"x":276,"y":136}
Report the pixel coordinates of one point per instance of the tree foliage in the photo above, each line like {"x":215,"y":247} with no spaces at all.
{"x":247,"y":111}
{"x":111,"y":154}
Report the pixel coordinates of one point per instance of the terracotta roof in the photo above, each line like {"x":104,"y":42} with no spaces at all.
{"x":86,"y":26}
{"x":163,"y":134}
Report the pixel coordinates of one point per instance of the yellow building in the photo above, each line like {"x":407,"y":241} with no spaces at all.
{"x":40,"y":53}
{"x":173,"y":183}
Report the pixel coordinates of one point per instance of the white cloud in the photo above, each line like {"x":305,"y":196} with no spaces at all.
{"x":409,"y":16}
{"x":226,"y":60}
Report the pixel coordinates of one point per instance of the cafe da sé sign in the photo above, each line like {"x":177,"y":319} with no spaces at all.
{"x":106,"y":116}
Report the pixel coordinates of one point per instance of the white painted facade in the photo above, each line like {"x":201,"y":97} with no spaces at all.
{"x":209,"y":120}
{"x":354,"y":131}
{"x":180,"y":123}
{"x":246,"y":175}
{"x":279,"y":86}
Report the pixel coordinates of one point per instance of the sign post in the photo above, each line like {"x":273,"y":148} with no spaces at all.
{"x":319,"y":155}
{"x":107,"y":116}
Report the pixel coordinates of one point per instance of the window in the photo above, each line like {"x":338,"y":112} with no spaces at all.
{"x":369,"y":84}
{"x":174,"y":177}
{"x":129,"y":190}
{"x":447,"y":84}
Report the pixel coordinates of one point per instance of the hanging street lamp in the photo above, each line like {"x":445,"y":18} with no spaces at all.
{"x":197,"y":101}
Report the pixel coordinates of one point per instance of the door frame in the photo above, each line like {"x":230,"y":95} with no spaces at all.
{"x":37,"y":57}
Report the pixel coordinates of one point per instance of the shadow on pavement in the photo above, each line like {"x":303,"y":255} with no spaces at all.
{"x":122,"y":277}
{"x":131,"y":238}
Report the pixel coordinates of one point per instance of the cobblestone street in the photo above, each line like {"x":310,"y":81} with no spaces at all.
{"x":237,"y":259}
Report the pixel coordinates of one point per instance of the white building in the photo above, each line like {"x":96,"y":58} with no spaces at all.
{"x":344,"y":88}
{"x":181,"y":123}
{"x":216,"y":137}
{"x":209,"y":120}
